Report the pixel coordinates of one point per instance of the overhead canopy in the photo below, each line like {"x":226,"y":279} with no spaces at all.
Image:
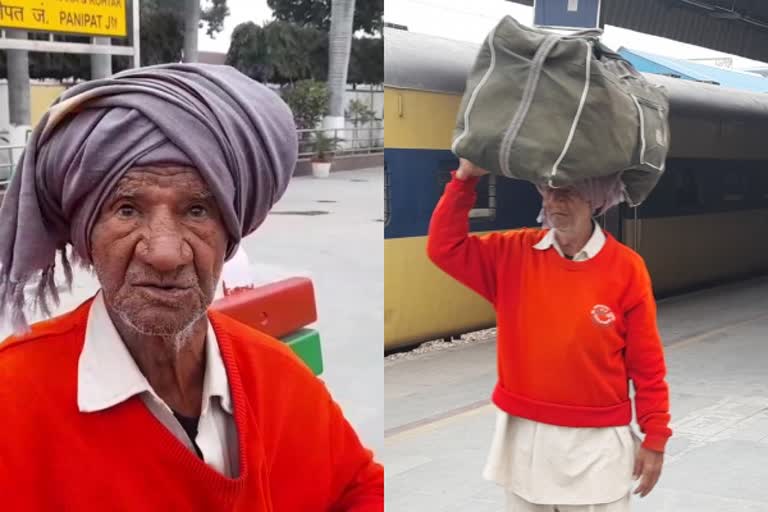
{"x":731,"y":26}
{"x":681,"y":68}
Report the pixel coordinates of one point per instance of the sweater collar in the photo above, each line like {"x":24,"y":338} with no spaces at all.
{"x":108,"y":375}
{"x":593,"y":246}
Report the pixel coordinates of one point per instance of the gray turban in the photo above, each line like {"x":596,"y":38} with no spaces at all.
{"x":238,"y":134}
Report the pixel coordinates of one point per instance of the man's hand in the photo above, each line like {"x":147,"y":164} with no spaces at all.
{"x":467,"y":170}
{"x":648,"y":468}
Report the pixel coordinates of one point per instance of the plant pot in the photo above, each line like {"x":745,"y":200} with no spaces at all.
{"x":321,"y":169}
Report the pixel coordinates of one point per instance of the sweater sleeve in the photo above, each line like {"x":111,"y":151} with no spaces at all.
{"x":646,"y":367}
{"x":469,"y":259}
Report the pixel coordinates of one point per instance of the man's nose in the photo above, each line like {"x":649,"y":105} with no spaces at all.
{"x":557,"y":196}
{"x":163,"y":247}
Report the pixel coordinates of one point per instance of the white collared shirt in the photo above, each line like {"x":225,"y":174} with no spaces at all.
{"x":590,"y":249}
{"x":553,"y":465}
{"x":108,"y":375}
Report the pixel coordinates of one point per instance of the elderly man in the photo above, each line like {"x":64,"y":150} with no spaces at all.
{"x":576,"y":321}
{"x":140,"y":399}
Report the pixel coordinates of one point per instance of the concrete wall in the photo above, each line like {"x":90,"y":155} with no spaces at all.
{"x":373,"y":97}
{"x":41,"y":96}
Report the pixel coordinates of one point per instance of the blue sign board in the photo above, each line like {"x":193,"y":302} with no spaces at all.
{"x":567,"y":14}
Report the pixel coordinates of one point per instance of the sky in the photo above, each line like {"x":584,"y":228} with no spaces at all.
{"x":472,"y":20}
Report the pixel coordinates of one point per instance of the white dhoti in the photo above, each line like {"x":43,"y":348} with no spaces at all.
{"x":517,"y":504}
{"x":562,"y":468}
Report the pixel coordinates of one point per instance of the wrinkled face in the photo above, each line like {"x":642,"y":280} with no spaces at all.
{"x":564,"y":207}
{"x":158,"y":247}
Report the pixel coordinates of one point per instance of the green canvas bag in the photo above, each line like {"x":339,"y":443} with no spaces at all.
{"x":554,"y":109}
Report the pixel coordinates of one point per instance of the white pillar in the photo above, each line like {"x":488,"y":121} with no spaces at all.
{"x":336,"y":123}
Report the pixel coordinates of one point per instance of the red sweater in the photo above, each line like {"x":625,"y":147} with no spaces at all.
{"x":570,"y":334}
{"x":297,"y":452}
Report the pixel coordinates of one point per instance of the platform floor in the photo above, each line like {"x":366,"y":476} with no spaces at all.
{"x":439,"y":420}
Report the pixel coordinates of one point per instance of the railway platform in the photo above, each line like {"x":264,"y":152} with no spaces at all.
{"x":439,"y":419}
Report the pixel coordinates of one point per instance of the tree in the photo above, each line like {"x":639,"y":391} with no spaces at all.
{"x":163,"y":27}
{"x":162,"y":30}
{"x":295,"y":53}
{"x":317,"y":13}
{"x":308,"y":100}
{"x":214,"y":16}
{"x":291,"y":50}
{"x":248,"y":52}
{"x":279,"y":52}
{"x":366,"y":61}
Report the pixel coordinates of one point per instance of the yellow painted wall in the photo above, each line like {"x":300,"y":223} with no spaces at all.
{"x":40,"y":98}
{"x":419,"y":120}
{"x":421,"y":302}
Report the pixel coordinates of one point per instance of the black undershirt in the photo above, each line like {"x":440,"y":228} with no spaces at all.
{"x":189,"y":424}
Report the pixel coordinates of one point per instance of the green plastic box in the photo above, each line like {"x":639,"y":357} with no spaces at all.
{"x":305,"y":343}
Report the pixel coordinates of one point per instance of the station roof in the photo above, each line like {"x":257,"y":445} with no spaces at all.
{"x":739,"y":27}
{"x":661,"y":65}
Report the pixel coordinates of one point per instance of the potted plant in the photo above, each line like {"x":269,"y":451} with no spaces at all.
{"x":324,"y":148}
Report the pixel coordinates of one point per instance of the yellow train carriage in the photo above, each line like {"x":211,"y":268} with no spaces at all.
{"x":697,"y":228}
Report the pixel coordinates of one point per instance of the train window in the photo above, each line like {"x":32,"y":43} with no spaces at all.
{"x":734,"y":186}
{"x":687,"y":193}
{"x":485,"y":207}
{"x":761,"y":185}
{"x":443,"y":173}
{"x":386,"y":195}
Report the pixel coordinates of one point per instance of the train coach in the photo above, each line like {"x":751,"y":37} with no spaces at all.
{"x":700,"y":226}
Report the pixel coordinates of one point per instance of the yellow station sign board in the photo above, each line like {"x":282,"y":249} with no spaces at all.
{"x":91,"y":17}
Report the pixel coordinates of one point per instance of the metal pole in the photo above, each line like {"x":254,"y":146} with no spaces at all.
{"x":30,"y":45}
{"x":136,"y":37}
{"x":101,"y":65}
{"x":191,"y":30}
{"x":18,"y":82}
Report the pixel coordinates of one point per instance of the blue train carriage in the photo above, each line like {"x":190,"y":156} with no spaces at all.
{"x":700,"y":226}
